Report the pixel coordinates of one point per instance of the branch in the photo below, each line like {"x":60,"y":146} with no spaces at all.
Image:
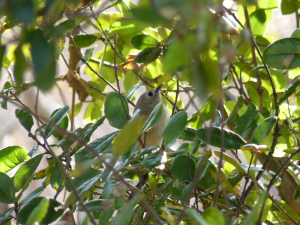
{"x":276,"y":128}
{"x":117,"y":79}
{"x":260,"y":90}
{"x":94,"y":71}
{"x":61,"y":167}
{"x":93,"y":152}
{"x":272,"y":181}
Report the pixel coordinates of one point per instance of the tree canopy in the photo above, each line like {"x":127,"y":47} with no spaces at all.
{"x":232,"y":92}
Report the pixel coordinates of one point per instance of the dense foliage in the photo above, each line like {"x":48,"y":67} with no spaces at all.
{"x":247,"y":84}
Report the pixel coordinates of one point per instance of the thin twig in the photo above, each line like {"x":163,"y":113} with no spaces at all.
{"x":276,"y":128}
{"x":220,"y":163}
{"x":260,"y":90}
{"x":274,"y":178}
{"x":49,"y":149}
{"x":94,"y":71}
{"x":117,"y":79}
{"x":73,"y":137}
{"x":247,"y":177}
{"x":176,"y":98}
{"x":297,"y":18}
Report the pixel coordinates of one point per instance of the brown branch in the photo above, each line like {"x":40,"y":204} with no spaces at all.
{"x":176,"y":98}
{"x":276,"y":128}
{"x":73,"y":137}
{"x":274,"y":178}
{"x":260,"y":90}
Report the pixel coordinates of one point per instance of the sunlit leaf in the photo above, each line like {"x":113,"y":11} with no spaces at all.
{"x":26,"y":171}
{"x":11,"y":156}
{"x":143,"y":41}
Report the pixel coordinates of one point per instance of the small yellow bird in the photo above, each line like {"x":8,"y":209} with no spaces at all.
{"x":146,"y":103}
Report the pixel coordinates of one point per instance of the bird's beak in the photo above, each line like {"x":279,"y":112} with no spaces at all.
{"x":158,"y":88}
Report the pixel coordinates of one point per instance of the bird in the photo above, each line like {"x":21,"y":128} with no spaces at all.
{"x":146,"y":103}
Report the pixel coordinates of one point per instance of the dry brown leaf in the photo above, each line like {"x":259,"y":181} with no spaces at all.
{"x":130,"y":64}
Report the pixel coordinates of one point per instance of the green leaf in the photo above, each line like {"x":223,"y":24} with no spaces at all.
{"x":7,"y":194}
{"x":175,"y":127}
{"x":133,"y":89}
{"x":32,"y":195}
{"x":213,"y":216}
{"x":183,"y":168}
{"x":188,"y":134}
{"x":88,"y":53}
{"x":283,"y":54}
{"x":206,"y":113}
{"x":153,"y":160}
{"x":25,"y":118}
{"x":5,"y":92}
{"x":54,"y":211}
{"x":196,"y":217}
{"x":153,"y":118}
{"x":263,"y":130}
{"x":114,"y":111}
{"x":252,"y":217}
{"x":26,"y":171}
{"x":234,"y":115}
{"x":5,"y":216}
{"x":77,"y":109}
{"x":268,"y":4}
{"x":58,"y":117}
{"x":127,"y":136}
{"x":175,"y":57}
{"x":56,"y":177}
{"x":248,"y":121}
{"x":21,"y":11}
{"x":123,"y":217}
{"x":297,"y":193}
{"x":148,"y":16}
{"x":126,"y":26}
{"x":39,"y":212}
{"x":2,"y":53}
{"x":231,"y":140}
{"x":97,"y":205}
{"x":143,"y":41}
{"x":227,"y":158}
{"x":289,"y":6}
{"x":106,"y":216}
{"x":84,"y":40}
{"x":86,"y":132}
{"x":20,"y":66}
{"x":148,"y":55}
{"x":12,"y":156}
{"x":258,"y":22}
{"x":43,"y":58}
{"x":99,"y":145}
{"x":65,"y":26}
{"x":290,"y":89}
{"x":85,"y":181}
{"x":93,"y":112}
{"x":296,"y":33}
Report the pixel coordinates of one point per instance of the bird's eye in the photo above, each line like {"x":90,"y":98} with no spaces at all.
{"x":150,"y":94}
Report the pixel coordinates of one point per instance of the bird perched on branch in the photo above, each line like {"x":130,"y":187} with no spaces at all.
{"x":146,"y":103}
